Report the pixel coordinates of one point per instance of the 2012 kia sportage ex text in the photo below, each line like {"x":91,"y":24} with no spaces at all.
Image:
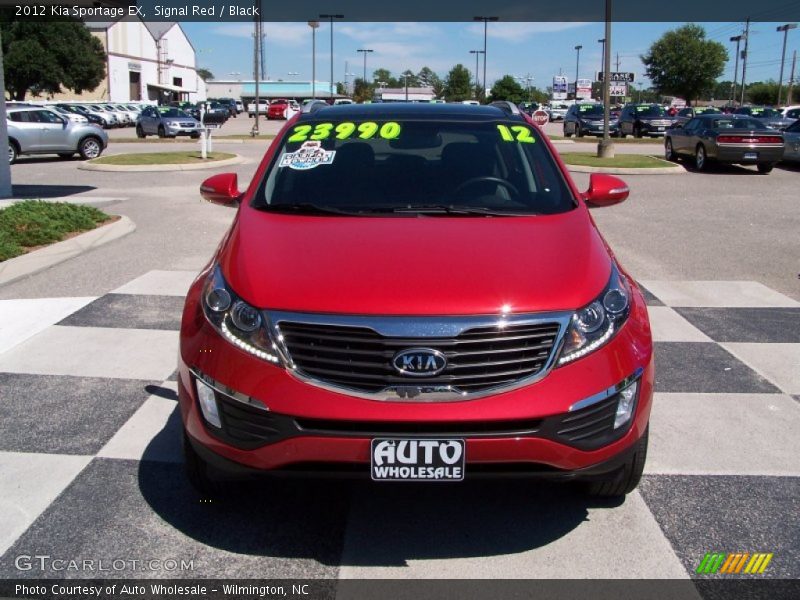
{"x":415,"y":292}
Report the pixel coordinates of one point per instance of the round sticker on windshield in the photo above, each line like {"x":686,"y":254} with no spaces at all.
{"x":309,"y":156}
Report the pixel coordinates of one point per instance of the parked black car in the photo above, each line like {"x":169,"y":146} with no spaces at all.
{"x":686,"y":114}
{"x":229,"y":104}
{"x":586,"y":118}
{"x":89,"y":116}
{"x":644,"y":119}
{"x":733,"y":139}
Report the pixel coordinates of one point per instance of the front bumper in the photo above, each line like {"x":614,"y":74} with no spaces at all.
{"x":310,"y":429}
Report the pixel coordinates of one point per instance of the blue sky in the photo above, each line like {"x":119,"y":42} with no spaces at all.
{"x":520,"y":49}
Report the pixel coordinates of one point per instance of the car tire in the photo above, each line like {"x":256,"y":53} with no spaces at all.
{"x":625,"y":483}
{"x":13,"y":153}
{"x":765,"y":168}
{"x":199,"y":472}
{"x":700,"y":158}
{"x":161,"y":131}
{"x":637,"y":131}
{"x":140,"y":132}
{"x":669,"y":152}
{"x":567,"y":135}
{"x":578,"y":131}
{"x":195,"y":136}
{"x":90,"y":147}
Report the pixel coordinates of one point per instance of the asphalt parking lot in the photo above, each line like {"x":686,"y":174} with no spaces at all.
{"x":89,"y":431}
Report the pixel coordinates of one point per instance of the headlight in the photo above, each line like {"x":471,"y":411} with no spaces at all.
{"x":595,"y":324}
{"x":238,"y":322}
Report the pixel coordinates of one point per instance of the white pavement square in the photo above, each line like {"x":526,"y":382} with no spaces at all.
{"x":22,"y":319}
{"x":95,"y":352}
{"x":135,"y":439}
{"x":718,"y":294}
{"x":668,"y":326}
{"x":159,"y":283}
{"x":724,"y":434}
{"x":606,"y":543}
{"x":780,"y":363}
{"x":29,"y":483}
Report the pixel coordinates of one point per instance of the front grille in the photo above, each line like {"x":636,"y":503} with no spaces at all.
{"x":435,"y":429}
{"x":187,"y":124}
{"x":479,"y":358}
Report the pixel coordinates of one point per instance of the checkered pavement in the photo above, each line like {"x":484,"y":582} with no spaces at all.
{"x":90,"y":462}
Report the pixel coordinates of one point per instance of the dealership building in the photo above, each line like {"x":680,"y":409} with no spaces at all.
{"x":245,"y":89}
{"x":145,"y":61}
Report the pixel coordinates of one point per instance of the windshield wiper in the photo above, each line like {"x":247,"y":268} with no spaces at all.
{"x":307,"y":208}
{"x":441,"y":209}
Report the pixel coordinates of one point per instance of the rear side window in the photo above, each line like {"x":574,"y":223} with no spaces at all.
{"x":378,"y":166}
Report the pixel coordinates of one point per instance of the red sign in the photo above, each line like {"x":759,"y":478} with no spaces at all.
{"x":540,"y":118}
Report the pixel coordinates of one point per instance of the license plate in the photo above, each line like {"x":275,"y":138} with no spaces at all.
{"x":393,"y":459}
{"x":750,"y":155}
{"x":660,"y":129}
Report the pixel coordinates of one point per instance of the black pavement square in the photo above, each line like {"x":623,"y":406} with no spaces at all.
{"x":649,"y":298}
{"x":62,"y":414}
{"x":728,"y":513}
{"x":705,"y":367}
{"x":130,"y":311}
{"x":139,"y":511}
{"x":769,"y":325}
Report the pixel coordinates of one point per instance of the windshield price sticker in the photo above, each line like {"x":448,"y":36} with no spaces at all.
{"x":309,"y":156}
{"x":345,"y":130}
{"x":516,"y":133}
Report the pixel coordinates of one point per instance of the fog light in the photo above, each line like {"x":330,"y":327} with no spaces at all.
{"x":208,"y":403}
{"x":627,"y":401}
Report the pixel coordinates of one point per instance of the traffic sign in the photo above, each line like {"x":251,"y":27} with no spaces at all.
{"x":540,"y":117}
{"x":617,"y":77}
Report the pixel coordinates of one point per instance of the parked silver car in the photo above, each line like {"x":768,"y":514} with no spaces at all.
{"x":166,"y":121}
{"x":39,"y":130}
{"x":791,"y":136}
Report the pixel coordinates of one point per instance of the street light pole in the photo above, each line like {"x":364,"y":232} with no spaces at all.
{"x":737,"y":39}
{"x":365,"y":51}
{"x":485,"y":38}
{"x":785,"y":29}
{"x":744,"y":58}
{"x":577,"y":68}
{"x":331,"y":17}
{"x":602,"y":55}
{"x":477,"y":54}
{"x":313,"y":25}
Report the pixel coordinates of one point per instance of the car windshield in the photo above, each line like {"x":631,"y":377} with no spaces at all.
{"x":170,"y":111}
{"x":734,"y":123}
{"x":764,"y":113}
{"x":586,"y":110}
{"x":651,"y":111}
{"x":707,"y":110}
{"x":414,"y":166}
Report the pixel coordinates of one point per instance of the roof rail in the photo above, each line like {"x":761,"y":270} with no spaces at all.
{"x":506,"y":106}
{"x":314,"y":106}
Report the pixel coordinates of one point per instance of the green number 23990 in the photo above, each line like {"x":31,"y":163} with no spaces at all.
{"x":345,"y":130}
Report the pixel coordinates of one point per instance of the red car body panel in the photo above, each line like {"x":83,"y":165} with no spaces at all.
{"x":350,"y":265}
{"x":277,"y":110}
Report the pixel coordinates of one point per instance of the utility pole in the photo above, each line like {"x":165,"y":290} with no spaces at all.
{"x":605,"y":147}
{"x":365,"y":51}
{"x":602,"y":55}
{"x":737,"y":39}
{"x":617,"y":62}
{"x":313,"y":25}
{"x":577,"y":68}
{"x":5,"y":168}
{"x":485,"y":38}
{"x":791,"y":78}
{"x":331,"y":18}
{"x":256,"y":69}
{"x":477,"y":54}
{"x":785,"y":29}
{"x":744,"y":58}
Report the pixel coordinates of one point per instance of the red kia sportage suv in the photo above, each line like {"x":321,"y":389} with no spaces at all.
{"x":415,"y":293}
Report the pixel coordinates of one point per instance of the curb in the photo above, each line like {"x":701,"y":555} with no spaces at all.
{"x":51,"y":255}
{"x":670,"y":170}
{"x":89,"y":166}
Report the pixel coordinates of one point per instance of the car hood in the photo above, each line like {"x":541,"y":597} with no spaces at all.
{"x":415,"y":265}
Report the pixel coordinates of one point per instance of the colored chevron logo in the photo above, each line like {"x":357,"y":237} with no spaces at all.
{"x":734,"y":563}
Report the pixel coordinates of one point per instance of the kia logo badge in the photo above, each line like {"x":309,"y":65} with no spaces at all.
{"x":419,"y":362}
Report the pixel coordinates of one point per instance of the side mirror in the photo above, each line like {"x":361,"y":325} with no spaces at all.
{"x":221,"y":189}
{"x":605,"y":190}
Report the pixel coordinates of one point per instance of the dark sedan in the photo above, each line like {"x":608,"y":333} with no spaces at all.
{"x":732,"y":139}
{"x":644,"y":119}
{"x":587,"y":119}
{"x":687,"y":114}
{"x":768,"y":116}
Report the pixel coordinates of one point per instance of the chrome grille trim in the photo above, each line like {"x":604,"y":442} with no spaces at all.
{"x":403,"y":332}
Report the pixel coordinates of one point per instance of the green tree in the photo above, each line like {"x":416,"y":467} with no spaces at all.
{"x":205,"y":74}
{"x":763,"y":92}
{"x":385,"y":76}
{"x":43,"y":57}
{"x":362,"y":91}
{"x":426,"y":77}
{"x":341,"y":89}
{"x":457,"y":85}
{"x":413,"y":80}
{"x":684,"y":63}
{"x":507,"y":88}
